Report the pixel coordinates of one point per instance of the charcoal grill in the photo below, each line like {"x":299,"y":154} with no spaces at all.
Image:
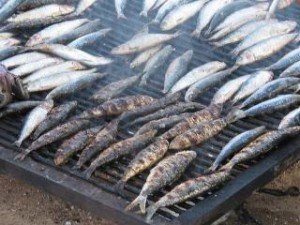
{"x":97,"y":194}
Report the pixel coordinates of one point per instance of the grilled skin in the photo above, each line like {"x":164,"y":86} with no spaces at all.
{"x":120,"y":149}
{"x":290,"y":120}
{"x":18,"y":107}
{"x":166,"y":172}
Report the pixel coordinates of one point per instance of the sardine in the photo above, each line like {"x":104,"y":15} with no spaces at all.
{"x":117,"y":106}
{"x":57,"y":115}
{"x":237,"y":143}
{"x":31,"y":4}
{"x":270,"y":90}
{"x":23,"y":58}
{"x":143,"y":42}
{"x":58,"y":133}
{"x":197,"y":74}
{"x":67,"y":66}
{"x":166,"y":172}
{"x":120,"y":149}
{"x":9,"y":52}
{"x":264,"y":49}
{"x":177,"y":69}
{"x":157,"y":61}
{"x":264,"y":33}
{"x":144,"y":56}
{"x":181,"y":14}
{"x":18,"y":107}
{"x":103,"y":140}
{"x":75,"y":144}
{"x":8,"y":42}
{"x":35,"y":117}
{"x":9,"y":8}
{"x":83,"y":5}
{"x":293,"y":70}
{"x":255,"y":82}
{"x":74,"y":86}
{"x":120,"y":7}
{"x":145,"y":159}
{"x":113,"y":89}
{"x":148,"y":5}
{"x":292,"y":119}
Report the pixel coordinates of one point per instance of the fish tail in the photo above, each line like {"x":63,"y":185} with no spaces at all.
{"x":151,"y":211}
{"x":196,"y":34}
{"x":122,"y":16}
{"x":18,"y":143}
{"x":21,"y":156}
{"x":144,"y":13}
{"x":234,"y":52}
{"x":120,"y":185}
{"x":234,"y":68}
{"x":211,"y":169}
{"x":89,"y":171}
{"x":141,"y":201}
{"x":235,"y":115}
{"x":295,"y":88}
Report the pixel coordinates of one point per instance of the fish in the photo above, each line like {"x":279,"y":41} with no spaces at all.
{"x":261,"y":145}
{"x":56,"y":116}
{"x":154,"y":63}
{"x":117,"y":106}
{"x":181,"y":14}
{"x":9,"y":52}
{"x":9,"y":8}
{"x":292,"y":119}
{"x":176,"y":69}
{"x":120,"y":149}
{"x":207,"y":13}
{"x":168,"y":111}
{"x":47,"y":11}
{"x":163,"y":123}
{"x":197,"y":74}
{"x":241,"y":33}
{"x":145,"y":159}
{"x":278,"y":4}
{"x":69,"y":53}
{"x":264,"y":49}
{"x":202,"y":132}
{"x":236,"y":144}
{"x":18,"y":107}
{"x":225,"y":93}
{"x":270,"y":90}
{"x":255,"y":82}
{"x":89,"y":39}
{"x":31,"y":4}
{"x":75,"y":144}
{"x":293,"y":70}
{"x":148,"y":5}
{"x":58,"y":133}
{"x":113,"y":89}
{"x":83,"y":5}
{"x":67,"y":66}
{"x":195,"y":90}
{"x":207,"y":114}
{"x":23,"y":58}
{"x":188,"y":189}
{"x":265,"y":32}
{"x":35,"y":117}
{"x":74,"y":86}
{"x":54,"y":30}
{"x":29,"y":68}
{"x":150,"y":108}
{"x":287,"y":60}
{"x":269,"y":106}
{"x":143,"y":42}
{"x":164,"y":173}
{"x":226,"y":11}
{"x":120,"y":6}
{"x":51,"y":82}
{"x":8,"y":42}
{"x":144,"y":57}
{"x":103,"y":139}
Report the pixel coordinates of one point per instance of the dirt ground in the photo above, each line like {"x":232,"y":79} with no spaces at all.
{"x":21,"y":204}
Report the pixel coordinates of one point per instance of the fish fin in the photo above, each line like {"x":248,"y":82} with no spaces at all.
{"x":141,"y":201}
{"x":235,"y":115}
{"x":122,"y":16}
{"x":151,"y":211}
{"x":89,"y":171}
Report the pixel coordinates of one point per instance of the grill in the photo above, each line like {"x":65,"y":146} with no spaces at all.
{"x":97,"y":194}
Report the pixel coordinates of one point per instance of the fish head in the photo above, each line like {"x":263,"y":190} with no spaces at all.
{"x":77,"y":66}
{"x":34,"y":40}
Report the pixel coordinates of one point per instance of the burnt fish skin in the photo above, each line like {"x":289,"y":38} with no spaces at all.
{"x":117,"y":106}
{"x":166,"y":172}
{"x":102,"y":140}
{"x":114,"y":89}
{"x":75,"y":144}
{"x":236,"y":144}
{"x":145,"y":159}
{"x":270,"y":90}
{"x":18,"y":107}
{"x":58,"y":133}
{"x":55,"y":117}
{"x":9,"y":8}
{"x":290,"y":120}
{"x":120,"y":149}
{"x":293,"y":70}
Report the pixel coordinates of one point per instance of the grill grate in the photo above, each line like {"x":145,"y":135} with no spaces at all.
{"x":107,"y":176}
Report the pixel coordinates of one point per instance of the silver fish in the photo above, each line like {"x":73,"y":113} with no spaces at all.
{"x":23,"y":59}
{"x":197,"y":74}
{"x":31,"y":4}
{"x":293,"y":70}
{"x":9,"y":9}
{"x":9,"y":51}
{"x":35,"y":117}
{"x":157,"y":61}
{"x":144,"y":56}
{"x":292,"y":119}
{"x":148,"y":5}
{"x":7,"y":42}
{"x":18,"y":107}
{"x":120,"y":6}
{"x":176,"y":69}
{"x":83,"y":5}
